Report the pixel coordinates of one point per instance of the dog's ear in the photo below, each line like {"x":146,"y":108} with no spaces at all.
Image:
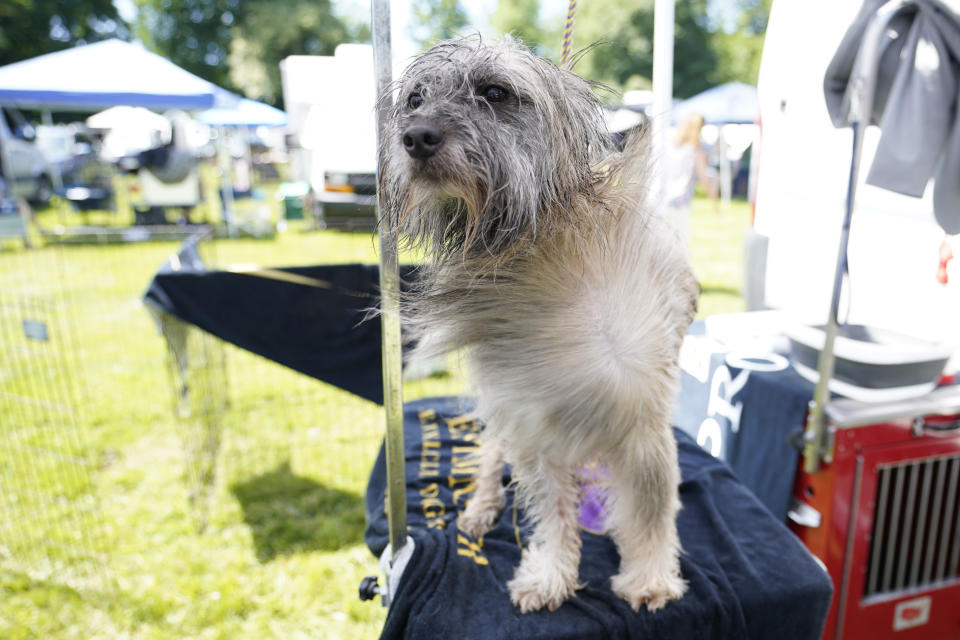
{"x":578,"y":135}
{"x":583,"y":111}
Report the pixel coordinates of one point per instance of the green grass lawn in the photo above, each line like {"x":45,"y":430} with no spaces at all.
{"x":105,"y":530}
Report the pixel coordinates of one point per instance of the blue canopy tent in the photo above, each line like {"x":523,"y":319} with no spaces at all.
{"x":246,"y":113}
{"x":731,"y":103}
{"x":106,"y":74}
{"x":243,"y":116}
{"x":101,"y":75}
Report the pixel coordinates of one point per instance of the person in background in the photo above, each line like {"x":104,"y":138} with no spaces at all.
{"x":685,"y":164}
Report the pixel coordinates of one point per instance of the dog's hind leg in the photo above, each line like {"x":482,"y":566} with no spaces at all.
{"x":548,"y":572}
{"x":488,"y":499}
{"x":644,"y":486}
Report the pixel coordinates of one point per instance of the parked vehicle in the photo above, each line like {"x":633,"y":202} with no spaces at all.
{"x":167,"y":180}
{"x":32,"y":178}
{"x":330,"y":104}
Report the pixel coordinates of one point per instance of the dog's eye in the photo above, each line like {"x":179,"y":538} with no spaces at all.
{"x":415,"y":100}
{"x":493,"y":93}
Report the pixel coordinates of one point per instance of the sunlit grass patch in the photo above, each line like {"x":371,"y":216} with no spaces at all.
{"x":109,"y":534}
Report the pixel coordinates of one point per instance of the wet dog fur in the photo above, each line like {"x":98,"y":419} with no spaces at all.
{"x":568,"y":293}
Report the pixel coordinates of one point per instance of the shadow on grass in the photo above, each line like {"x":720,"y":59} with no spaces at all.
{"x":290,"y":514}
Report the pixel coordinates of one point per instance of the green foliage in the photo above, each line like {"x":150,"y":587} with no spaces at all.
{"x":738,"y":50}
{"x":625,"y":45}
{"x":194,"y":34}
{"x":271,"y":30}
{"x":281,"y":556}
{"x":618,"y":38}
{"x":436,"y":20}
{"x":31,"y":28}
{"x":521,"y":18}
{"x":239,"y":44}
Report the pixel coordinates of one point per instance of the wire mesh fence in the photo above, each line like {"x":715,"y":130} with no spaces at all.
{"x":85,"y":373}
{"x":289,"y":452}
{"x":58,"y":308}
{"x":296,"y":472}
{"x":49,"y":514}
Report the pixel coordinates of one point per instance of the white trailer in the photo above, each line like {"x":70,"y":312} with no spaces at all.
{"x":330,"y":104}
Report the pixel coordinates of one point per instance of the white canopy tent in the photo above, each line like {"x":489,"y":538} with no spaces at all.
{"x":105,"y":74}
{"x":129,"y":129}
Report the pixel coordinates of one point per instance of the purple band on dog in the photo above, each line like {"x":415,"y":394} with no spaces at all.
{"x":593,"y":497}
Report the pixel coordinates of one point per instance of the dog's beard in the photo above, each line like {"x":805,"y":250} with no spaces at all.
{"x":454,"y":208}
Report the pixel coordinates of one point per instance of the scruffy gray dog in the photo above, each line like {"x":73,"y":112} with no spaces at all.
{"x":570,"y":295}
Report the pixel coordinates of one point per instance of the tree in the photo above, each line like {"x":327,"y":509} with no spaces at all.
{"x":621,"y":34}
{"x":238,"y":44}
{"x":271,"y":30}
{"x":435,"y":20}
{"x":194,"y":34}
{"x":522,"y":19}
{"x":616,"y":40}
{"x":30,"y":28}
{"x":738,"y":51}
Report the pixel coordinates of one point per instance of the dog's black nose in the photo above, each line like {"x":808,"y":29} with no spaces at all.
{"x":422,"y":140}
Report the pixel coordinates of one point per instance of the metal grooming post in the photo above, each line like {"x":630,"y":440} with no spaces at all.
{"x":389,"y":300}
{"x":858,"y":104}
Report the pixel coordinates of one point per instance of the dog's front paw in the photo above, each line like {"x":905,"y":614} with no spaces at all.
{"x":480,"y":516}
{"x":655,"y":591}
{"x":476,"y":525}
{"x":538,"y":585}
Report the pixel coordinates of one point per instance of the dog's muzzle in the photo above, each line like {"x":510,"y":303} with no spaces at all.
{"x":422,"y":140}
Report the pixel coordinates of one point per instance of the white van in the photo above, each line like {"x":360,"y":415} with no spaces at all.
{"x":801,"y":187}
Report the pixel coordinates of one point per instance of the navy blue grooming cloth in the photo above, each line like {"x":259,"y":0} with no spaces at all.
{"x":748,"y":576}
{"x":750,"y":419}
{"x":765,"y":451}
{"x":311,"y":319}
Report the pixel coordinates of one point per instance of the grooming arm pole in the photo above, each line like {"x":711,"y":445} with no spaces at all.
{"x":858,"y":104}
{"x":389,"y":298}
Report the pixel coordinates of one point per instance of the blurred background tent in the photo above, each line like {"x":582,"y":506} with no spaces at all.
{"x":241,"y":118}
{"x":102,"y":75}
{"x":106,"y":74}
{"x":730,"y":112}
{"x":129,"y":129}
{"x":730,"y":103}
{"x":245,"y":113}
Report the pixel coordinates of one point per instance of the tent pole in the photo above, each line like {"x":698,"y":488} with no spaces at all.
{"x":225,"y":163}
{"x":55,"y":176}
{"x":389,"y":298}
{"x":663,"y":19}
{"x":726,"y":180}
